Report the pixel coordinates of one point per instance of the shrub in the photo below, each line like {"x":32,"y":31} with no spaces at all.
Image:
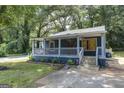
{"x":42,"y":59}
{"x":70,"y":62}
{"x":2,"y":53}
{"x":12,"y":47}
{"x":2,"y":50}
{"x":31,"y":58}
{"x":55,"y":60}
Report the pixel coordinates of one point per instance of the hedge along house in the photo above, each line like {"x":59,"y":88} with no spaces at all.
{"x":81,"y":45}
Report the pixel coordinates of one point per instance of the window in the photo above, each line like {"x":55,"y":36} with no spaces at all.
{"x":69,"y":43}
{"x":51,"y":44}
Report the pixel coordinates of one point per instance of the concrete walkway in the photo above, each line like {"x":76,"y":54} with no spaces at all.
{"x":83,"y":78}
{"x":120,"y":60}
{"x":13,"y":59}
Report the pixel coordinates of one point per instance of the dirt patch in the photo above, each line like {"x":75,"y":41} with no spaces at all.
{"x":115,"y":69}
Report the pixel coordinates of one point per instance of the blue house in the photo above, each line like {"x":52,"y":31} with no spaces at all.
{"x":80,"y":45}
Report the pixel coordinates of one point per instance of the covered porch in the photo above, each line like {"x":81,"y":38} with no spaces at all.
{"x":72,"y":44}
{"x":67,"y":47}
{"x":56,"y":47}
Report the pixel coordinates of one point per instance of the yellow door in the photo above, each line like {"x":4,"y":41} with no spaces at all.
{"x":89,"y":44}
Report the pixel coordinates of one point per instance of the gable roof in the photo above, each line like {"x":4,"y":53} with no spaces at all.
{"x":86,"y":31}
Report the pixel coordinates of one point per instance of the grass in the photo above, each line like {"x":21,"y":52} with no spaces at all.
{"x":24,"y":74}
{"x":118,"y":53}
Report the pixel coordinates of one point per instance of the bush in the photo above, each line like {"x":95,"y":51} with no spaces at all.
{"x":2,"y":53}
{"x":70,"y":62}
{"x":55,"y":60}
{"x":2,"y":50}
{"x":31,"y":58}
{"x":12,"y":47}
{"x":42,"y":59}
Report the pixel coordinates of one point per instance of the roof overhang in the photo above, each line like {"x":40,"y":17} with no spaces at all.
{"x":95,"y":31}
{"x":37,"y":39}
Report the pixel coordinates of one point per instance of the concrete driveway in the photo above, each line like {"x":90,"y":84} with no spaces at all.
{"x":13,"y":59}
{"x":84,"y":78}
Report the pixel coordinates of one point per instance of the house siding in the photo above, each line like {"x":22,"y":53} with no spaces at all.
{"x":89,"y":53}
{"x":62,"y":60}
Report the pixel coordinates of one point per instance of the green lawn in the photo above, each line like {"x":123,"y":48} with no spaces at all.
{"x":118,"y":54}
{"x":24,"y":74}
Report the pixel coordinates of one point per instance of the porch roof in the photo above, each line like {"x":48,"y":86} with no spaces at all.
{"x":94,"y":31}
{"x":87,"y":32}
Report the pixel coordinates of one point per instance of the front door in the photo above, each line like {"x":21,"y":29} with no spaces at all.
{"x":89,"y":44}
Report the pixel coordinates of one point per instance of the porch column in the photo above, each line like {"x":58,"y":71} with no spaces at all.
{"x":78,"y":45}
{"x":44,"y":46}
{"x":32,"y":47}
{"x":59,"y":47}
{"x":103,"y":44}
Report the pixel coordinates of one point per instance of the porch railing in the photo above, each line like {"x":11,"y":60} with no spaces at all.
{"x":98,"y":54}
{"x":55,"y":51}
{"x":38,"y":51}
{"x":51,"y":51}
{"x":81,"y":54}
{"x":68,"y":51}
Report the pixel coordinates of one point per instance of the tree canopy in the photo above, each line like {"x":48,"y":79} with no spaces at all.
{"x":20,"y":23}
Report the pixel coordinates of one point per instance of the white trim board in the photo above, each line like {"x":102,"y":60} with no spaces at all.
{"x":67,"y":56}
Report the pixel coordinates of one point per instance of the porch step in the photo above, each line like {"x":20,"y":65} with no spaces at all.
{"x":89,"y":67}
{"x":89,"y":61}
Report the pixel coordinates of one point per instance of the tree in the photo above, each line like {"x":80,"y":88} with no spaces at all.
{"x":20,"y":23}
